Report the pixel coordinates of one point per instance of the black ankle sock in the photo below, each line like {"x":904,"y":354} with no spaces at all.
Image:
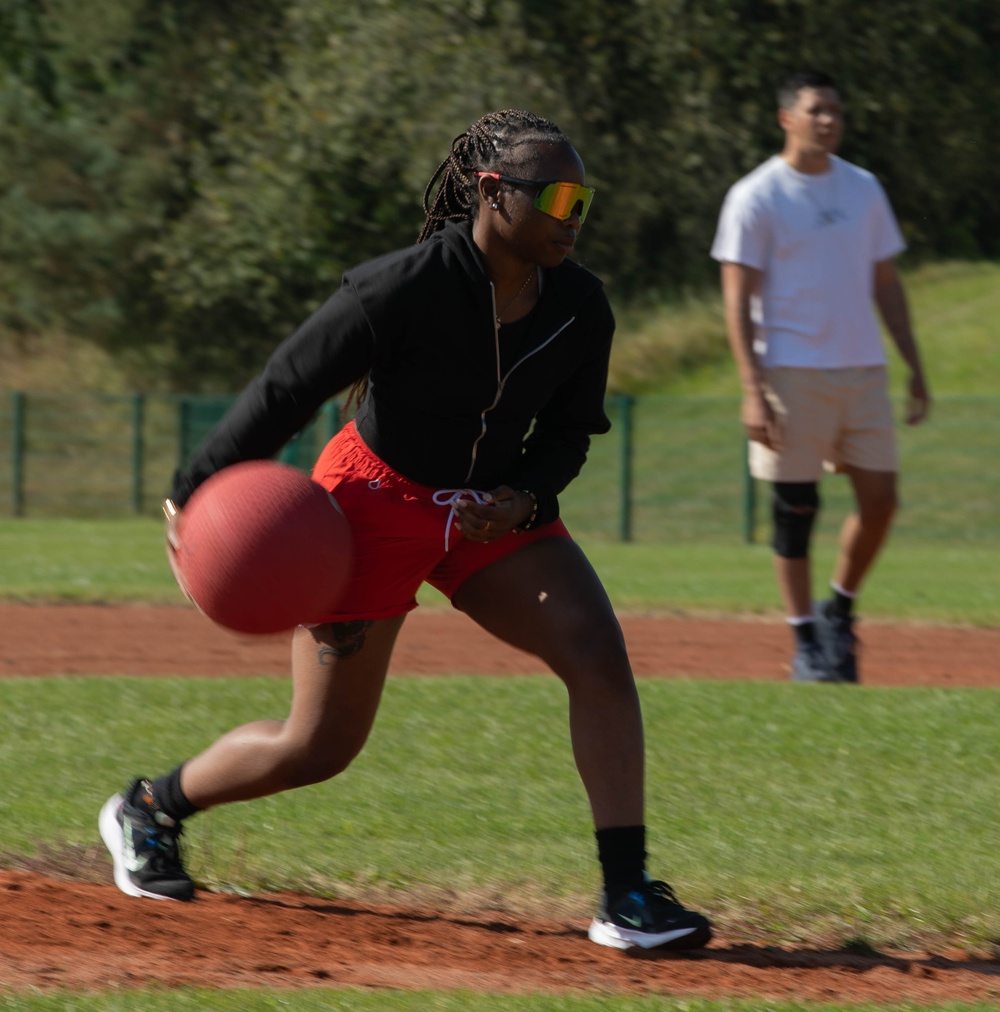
{"x":622,"y":853}
{"x":805,"y":632}
{"x":841,"y":604}
{"x":169,"y":798}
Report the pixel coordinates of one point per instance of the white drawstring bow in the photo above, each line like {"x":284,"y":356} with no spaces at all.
{"x":450,"y":496}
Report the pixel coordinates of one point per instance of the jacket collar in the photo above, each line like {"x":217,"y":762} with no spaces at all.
{"x":569,"y":282}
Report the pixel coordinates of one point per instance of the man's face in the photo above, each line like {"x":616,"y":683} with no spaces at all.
{"x":815,"y":124}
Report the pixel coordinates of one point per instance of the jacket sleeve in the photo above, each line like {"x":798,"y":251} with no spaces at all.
{"x":556,"y":449}
{"x":331,"y":350}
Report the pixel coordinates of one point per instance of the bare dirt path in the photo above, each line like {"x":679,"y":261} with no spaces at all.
{"x":61,"y":933}
{"x":141,"y":640}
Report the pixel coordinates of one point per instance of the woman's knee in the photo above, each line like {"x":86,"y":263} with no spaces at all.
{"x":301,"y":766}
{"x":589,"y":652}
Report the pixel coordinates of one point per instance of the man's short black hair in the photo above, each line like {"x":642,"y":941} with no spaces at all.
{"x":788,"y":93}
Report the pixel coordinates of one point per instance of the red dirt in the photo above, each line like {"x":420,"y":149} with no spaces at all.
{"x":63,"y":933}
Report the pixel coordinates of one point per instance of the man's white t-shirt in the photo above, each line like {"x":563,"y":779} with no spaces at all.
{"x":816,"y":239}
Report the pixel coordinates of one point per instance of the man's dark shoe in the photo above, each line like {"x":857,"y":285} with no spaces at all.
{"x":839,"y":642}
{"x":809,"y":664}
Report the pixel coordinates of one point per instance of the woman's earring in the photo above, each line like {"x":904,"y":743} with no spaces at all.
{"x":495,"y":206}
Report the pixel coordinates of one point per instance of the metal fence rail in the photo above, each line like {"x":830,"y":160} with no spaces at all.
{"x":671,"y":468}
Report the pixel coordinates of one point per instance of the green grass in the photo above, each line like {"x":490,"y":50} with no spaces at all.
{"x":687,"y":443}
{"x":788,"y":812}
{"x":688,"y":465}
{"x":85,"y":560}
{"x":681,"y":349}
{"x":124,"y":560}
{"x":677,"y":346}
{"x":866,"y":815}
{"x":947,"y":584}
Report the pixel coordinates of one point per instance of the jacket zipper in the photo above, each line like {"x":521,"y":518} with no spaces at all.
{"x":502,"y":380}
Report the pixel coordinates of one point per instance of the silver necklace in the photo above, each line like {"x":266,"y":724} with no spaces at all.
{"x":534,"y":271}
{"x":827,"y":215}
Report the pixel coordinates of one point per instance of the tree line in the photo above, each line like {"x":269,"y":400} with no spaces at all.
{"x":182,"y":181}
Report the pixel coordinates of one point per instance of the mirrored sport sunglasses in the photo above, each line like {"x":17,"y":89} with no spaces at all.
{"x":556,"y":199}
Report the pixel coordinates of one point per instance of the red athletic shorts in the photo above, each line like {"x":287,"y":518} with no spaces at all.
{"x":404,"y":533}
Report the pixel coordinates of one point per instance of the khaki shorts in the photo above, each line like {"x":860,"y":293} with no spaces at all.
{"x":831,"y":418}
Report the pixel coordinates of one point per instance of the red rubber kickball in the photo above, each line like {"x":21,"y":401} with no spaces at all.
{"x":261,"y":547}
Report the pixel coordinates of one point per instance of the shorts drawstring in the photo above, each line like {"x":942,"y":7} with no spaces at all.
{"x":450,"y":496}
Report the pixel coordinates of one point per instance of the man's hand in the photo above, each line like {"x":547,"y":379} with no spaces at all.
{"x":760,"y":421}
{"x":918,"y":406}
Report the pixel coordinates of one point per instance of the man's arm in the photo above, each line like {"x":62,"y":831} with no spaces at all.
{"x":739,"y":283}
{"x":890,"y":297}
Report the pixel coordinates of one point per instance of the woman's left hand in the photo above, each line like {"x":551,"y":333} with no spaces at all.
{"x":491,"y":520}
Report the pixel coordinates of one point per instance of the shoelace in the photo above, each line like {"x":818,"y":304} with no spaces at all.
{"x":662,"y":891}
{"x":450,"y":496}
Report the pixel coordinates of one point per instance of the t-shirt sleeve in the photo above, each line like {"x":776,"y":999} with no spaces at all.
{"x":887,"y":240}
{"x":741,"y":236}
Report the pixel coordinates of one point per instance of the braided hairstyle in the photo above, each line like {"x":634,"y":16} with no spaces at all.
{"x":489,"y":142}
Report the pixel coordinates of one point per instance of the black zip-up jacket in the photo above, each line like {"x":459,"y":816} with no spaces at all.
{"x":449,"y":404}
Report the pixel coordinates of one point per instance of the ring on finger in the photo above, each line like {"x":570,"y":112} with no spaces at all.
{"x":487,"y":526}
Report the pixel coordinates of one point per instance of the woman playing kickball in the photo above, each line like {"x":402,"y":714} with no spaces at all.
{"x":480,"y":358}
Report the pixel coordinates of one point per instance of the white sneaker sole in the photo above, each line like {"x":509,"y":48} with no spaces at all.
{"x":111,"y":833}
{"x":605,"y":933}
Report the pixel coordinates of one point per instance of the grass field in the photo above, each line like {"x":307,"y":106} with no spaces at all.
{"x":861,"y":819}
{"x":81,"y":456}
{"x":843,"y":826}
{"x":843,"y":829}
{"x":123,"y":560}
{"x":681,"y":349}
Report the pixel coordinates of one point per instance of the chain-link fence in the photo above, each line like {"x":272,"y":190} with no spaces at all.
{"x":672,"y":468}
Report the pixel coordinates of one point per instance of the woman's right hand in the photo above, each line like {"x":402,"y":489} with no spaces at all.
{"x":172,"y":515}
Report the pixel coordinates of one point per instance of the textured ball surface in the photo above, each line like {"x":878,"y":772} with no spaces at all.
{"x":261,"y":547}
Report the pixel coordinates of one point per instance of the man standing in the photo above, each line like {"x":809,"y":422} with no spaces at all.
{"x":806,"y":242}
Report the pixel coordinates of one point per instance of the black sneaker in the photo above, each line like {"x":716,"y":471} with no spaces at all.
{"x":143,"y":845}
{"x":650,"y":917}
{"x":809,"y":664}
{"x":839,"y":642}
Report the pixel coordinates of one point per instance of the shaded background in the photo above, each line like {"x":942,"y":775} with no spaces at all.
{"x":182,"y":181}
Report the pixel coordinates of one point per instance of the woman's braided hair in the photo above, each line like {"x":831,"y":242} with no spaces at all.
{"x":489,"y":142}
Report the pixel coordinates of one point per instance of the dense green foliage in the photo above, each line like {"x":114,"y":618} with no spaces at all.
{"x":181,"y":181}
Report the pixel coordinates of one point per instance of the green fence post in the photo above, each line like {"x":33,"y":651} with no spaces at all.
{"x":749,"y":500}
{"x":18,"y":411}
{"x":138,"y":454}
{"x":626,"y":403}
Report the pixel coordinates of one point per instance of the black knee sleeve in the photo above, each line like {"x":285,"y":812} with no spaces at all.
{"x":794,"y":505}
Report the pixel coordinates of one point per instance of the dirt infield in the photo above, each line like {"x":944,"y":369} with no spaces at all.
{"x":140,"y":640}
{"x":60,"y":933}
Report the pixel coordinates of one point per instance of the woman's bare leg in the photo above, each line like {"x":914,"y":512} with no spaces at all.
{"x":338,"y":672}
{"x":547,"y":600}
